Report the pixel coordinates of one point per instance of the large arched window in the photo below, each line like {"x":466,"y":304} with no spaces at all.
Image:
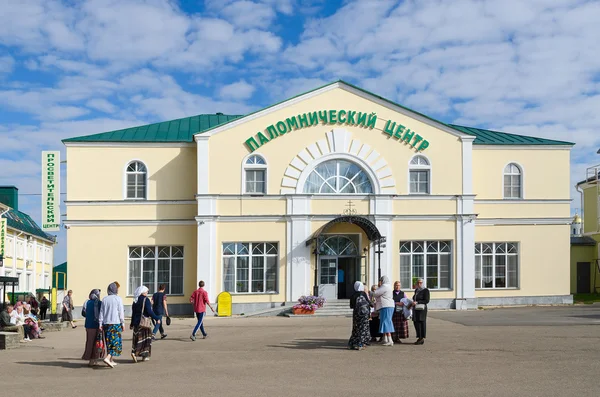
{"x":136,"y":179}
{"x":255,"y":175}
{"x":338,"y":177}
{"x":513,"y":181}
{"x":419,"y":175}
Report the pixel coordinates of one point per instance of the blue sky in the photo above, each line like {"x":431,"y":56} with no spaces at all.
{"x":71,"y":68}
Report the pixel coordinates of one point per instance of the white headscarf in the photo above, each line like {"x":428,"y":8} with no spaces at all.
{"x":358,"y":286}
{"x":384,"y":280}
{"x":138,"y":292}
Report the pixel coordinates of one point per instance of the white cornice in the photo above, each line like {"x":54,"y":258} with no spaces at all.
{"x":33,"y":236}
{"x":128,"y":202}
{"x":341,"y":197}
{"x":522,"y":147}
{"x":182,"y":222}
{"x":523,"y":201}
{"x":131,"y":144}
{"x":522,"y":221}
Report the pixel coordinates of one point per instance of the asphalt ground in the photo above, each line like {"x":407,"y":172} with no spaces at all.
{"x":539,"y":351}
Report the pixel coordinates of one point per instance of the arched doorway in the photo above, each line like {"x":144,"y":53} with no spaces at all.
{"x":339,"y":265}
{"x":339,"y":261}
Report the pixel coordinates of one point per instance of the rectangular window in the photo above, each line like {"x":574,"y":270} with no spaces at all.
{"x":429,"y":260}
{"x":496,"y":265}
{"x":250,"y":267}
{"x":136,"y":186}
{"x":255,"y":181}
{"x":419,"y":181}
{"x":9,"y":247}
{"x":152,"y":266}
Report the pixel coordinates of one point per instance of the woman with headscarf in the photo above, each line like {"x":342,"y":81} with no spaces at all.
{"x":398,"y":319}
{"x":141,"y":345}
{"x":374,"y":321}
{"x":384,"y":303}
{"x":110,"y":321}
{"x":31,"y":320}
{"x":361,"y":335}
{"x":94,"y":342}
{"x":420,"y":301}
{"x":67,"y":308}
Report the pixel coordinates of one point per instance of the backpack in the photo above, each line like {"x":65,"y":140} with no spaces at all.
{"x":83,"y":308}
{"x":362,"y":307}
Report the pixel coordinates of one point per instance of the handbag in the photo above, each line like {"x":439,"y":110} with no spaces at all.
{"x":145,"y":322}
{"x":168,"y":320}
{"x":99,"y":345}
{"x":420,"y":306}
{"x":83,"y":309}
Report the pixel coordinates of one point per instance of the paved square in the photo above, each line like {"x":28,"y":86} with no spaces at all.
{"x":300,"y":357}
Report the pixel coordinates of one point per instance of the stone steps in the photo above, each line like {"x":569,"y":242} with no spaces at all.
{"x":333,"y":308}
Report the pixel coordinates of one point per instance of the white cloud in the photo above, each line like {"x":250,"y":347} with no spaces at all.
{"x":238,"y":91}
{"x":102,"y":105}
{"x":7,"y":64}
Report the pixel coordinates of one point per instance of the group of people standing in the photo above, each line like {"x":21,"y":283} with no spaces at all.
{"x":382,"y":316}
{"x":104,"y":320}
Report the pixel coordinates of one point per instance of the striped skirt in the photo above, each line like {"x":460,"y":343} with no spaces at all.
{"x":141,"y":344}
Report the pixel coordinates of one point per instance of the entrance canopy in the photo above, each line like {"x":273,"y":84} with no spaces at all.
{"x":365,"y":224}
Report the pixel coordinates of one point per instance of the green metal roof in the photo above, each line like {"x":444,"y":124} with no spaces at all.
{"x":183,"y":130}
{"x":180,"y":130}
{"x":21,"y":221}
{"x":487,"y":137}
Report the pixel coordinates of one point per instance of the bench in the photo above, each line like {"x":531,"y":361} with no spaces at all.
{"x":9,"y":340}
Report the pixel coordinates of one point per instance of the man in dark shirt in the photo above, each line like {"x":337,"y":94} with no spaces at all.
{"x":159,"y":307}
{"x":7,"y":326}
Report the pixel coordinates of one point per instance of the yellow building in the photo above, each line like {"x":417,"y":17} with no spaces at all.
{"x":585,"y":250}
{"x":28,"y":250}
{"x":313,"y":193}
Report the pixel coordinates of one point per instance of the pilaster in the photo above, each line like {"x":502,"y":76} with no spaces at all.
{"x":298,"y":274}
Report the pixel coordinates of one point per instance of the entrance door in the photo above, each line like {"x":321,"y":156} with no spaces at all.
{"x":328,"y":278}
{"x":583,"y":277}
{"x":347,"y":275}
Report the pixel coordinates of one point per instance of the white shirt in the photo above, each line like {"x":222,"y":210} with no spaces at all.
{"x":384,"y":297}
{"x":111,"y":311}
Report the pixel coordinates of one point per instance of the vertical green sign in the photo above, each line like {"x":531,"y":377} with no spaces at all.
{"x":51,"y":190}
{"x":3,"y":222}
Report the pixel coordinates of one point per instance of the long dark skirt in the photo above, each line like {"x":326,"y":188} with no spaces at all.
{"x":66,"y":315}
{"x":95,"y":348}
{"x":113,"y":339}
{"x":400,"y":326}
{"x":360,"y":331}
{"x":141,"y":344}
{"x":374,"y":327}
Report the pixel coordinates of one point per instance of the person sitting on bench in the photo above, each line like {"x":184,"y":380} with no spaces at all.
{"x":8,"y":324}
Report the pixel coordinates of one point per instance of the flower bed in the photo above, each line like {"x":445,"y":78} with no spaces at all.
{"x":308,"y":304}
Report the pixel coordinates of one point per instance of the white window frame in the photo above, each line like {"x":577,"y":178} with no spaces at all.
{"x":250,"y":256}
{"x":126,"y":173}
{"x":156,"y":258}
{"x":425,"y":254}
{"x":337,"y":160}
{"x":255,"y":167}
{"x":522,"y":176}
{"x":9,"y":251}
{"x":420,"y":167}
{"x":494,"y":255}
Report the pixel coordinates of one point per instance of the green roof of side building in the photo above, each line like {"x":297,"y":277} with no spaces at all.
{"x":184,"y":129}
{"x":21,"y":221}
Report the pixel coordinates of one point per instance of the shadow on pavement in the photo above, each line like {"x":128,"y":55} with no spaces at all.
{"x":314,"y":344}
{"x":55,"y":364}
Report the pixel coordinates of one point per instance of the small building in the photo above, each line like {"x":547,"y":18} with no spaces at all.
{"x":585,"y":236}
{"x":28,"y":250}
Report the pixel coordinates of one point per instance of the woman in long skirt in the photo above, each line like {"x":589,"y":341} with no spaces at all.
{"x":141,"y":345}
{"x":361,"y":335}
{"x":110,"y":320}
{"x":67,"y":309}
{"x":94,"y":340}
{"x":385,"y":305}
{"x":398,"y":319}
